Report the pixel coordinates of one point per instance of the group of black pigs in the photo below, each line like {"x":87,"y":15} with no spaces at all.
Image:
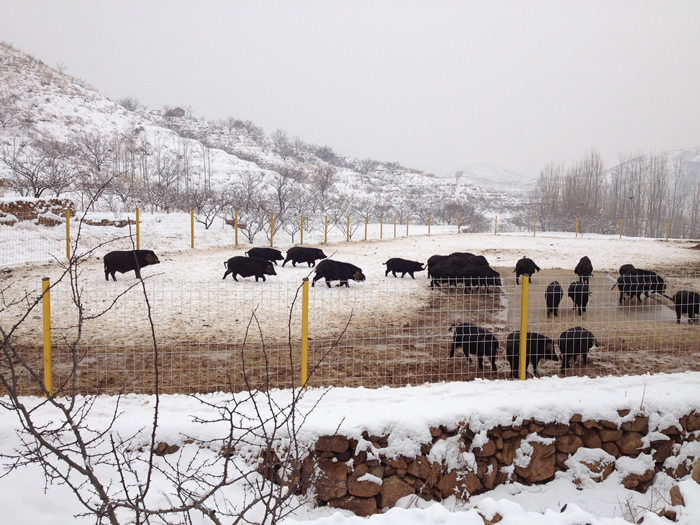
{"x":482,"y":343}
{"x":259,"y":262}
{"x":473,"y":271}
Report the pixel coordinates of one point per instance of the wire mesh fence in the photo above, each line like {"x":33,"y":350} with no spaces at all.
{"x":39,"y":234}
{"x":210,"y":336}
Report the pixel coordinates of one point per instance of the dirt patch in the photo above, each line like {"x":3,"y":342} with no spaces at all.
{"x":390,"y":332}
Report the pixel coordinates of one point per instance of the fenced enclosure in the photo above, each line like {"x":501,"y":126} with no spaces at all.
{"x":229,"y":336}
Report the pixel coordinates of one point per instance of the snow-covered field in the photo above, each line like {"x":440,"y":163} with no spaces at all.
{"x":403,"y":413}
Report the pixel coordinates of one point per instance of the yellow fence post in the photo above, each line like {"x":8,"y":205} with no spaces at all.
{"x":46,"y":303}
{"x":366,"y":219}
{"x":394,"y":227}
{"x":235,"y":226}
{"x":523,"y":327}
{"x":381,"y":227}
{"x":534,"y":230}
{"x":302,"y":229}
{"x":428,"y":224}
{"x":68,"y":234}
{"x":272,"y":229}
{"x":138,"y":229}
{"x":495,"y":226}
{"x":304,"y":332}
{"x":347,"y":231}
{"x":620,"y":228}
{"x":192,"y":229}
{"x":576,"y":226}
{"x":668,"y":225}
{"x":325,"y":231}
{"x":459,"y":223}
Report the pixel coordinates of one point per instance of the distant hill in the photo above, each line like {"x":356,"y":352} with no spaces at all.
{"x":497,"y":178}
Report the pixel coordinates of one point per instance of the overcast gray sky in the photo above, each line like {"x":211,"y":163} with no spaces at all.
{"x":434,"y":85}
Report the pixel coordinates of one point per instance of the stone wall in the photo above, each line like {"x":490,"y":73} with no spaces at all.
{"x":356,"y":475}
{"x":47,"y":212}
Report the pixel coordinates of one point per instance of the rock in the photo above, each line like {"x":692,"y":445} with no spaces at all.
{"x":630,"y":444}
{"x":607,"y":435}
{"x":435,"y":432}
{"x":268,"y":464}
{"x":510,"y":448}
{"x":393,"y":488}
{"x":487,"y":471}
{"x":542,"y":463}
{"x":568,"y":443}
{"x":555,"y":430}
{"x":669,"y":514}
{"x":663,"y":451}
{"x":638,"y":424}
{"x":397,"y":463}
{"x":486,"y":450}
{"x":420,"y":468}
{"x":693,"y":422}
{"x":163,"y":449}
{"x":336,"y":443}
{"x":677,"y":497}
{"x":611,"y":448}
{"x":601,"y":469}
{"x":359,"y":506}
{"x":363,"y":489}
{"x":591,"y":439}
{"x":459,"y":484}
{"x":496,"y":518}
{"x":638,"y":482}
{"x":696,"y":471}
{"x":332,"y":482}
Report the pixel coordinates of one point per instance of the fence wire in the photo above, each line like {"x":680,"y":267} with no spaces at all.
{"x":211,"y":336}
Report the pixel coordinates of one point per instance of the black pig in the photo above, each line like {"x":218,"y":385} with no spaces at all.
{"x":337,"y":271}
{"x":687,"y":302}
{"x":579,"y":293}
{"x":479,"y":276}
{"x":574,"y":342}
{"x":552,"y":297}
{"x":469,"y":258}
{"x":270,"y":254}
{"x":475,"y":340}
{"x":125,"y":261}
{"x":435,"y":259}
{"x":301,"y":254}
{"x":637,"y":282}
{"x":525,"y":266}
{"x":626,"y":268}
{"x":538,"y":347}
{"x":404,"y":266}
{"x":248,"y":266}
{"x":584,"y":269}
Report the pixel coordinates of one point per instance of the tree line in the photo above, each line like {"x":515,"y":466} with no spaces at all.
{"x":645,"y":192}
{"x":172,"y":169}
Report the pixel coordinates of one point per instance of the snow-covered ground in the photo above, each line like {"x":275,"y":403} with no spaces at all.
{"x":403,"y":413}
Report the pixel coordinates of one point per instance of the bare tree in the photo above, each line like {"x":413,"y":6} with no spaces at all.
{"x":129,"y":103}
{"x":324,"y":179}
{"x":39,"y":166}
{"x":99,"y":465}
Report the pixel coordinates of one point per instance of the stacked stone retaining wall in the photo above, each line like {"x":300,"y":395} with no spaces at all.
{"x":355,"y":474}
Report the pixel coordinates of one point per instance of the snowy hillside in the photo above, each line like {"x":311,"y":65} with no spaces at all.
{"x":172,"y":148}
